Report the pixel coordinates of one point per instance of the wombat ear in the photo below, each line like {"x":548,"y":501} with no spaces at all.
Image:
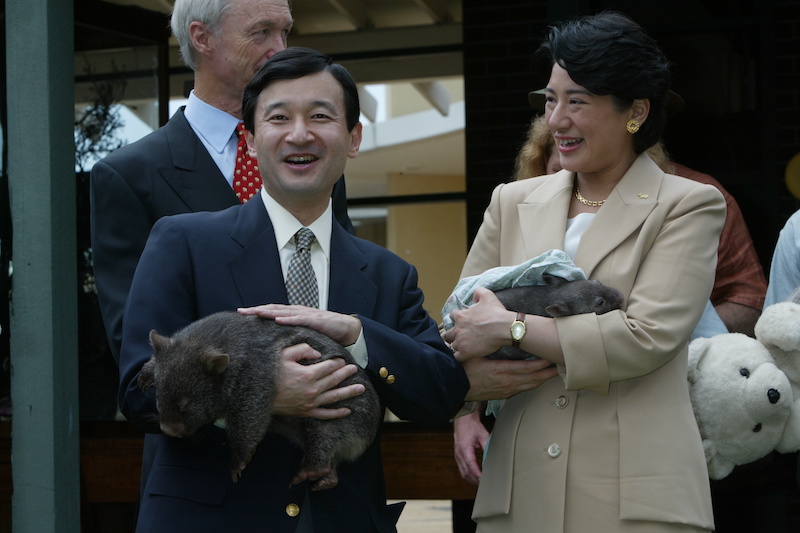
{"x":215,"y":362}
{"x":557,"y":310}
{"x":553,"y":280}
{"x":159,"y":342}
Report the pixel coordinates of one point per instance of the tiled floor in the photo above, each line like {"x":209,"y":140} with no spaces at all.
{"x":426,"y":516}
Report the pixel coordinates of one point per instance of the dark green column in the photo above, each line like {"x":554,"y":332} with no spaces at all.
{"x":44,"y":382}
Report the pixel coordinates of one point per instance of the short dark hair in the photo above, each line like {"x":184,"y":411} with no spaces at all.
{"x":296,"y":62}
{"x":610,"y":54}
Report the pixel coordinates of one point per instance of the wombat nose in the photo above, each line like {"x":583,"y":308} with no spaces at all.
{"x":170,"y":431}
{"x":773,"y":396}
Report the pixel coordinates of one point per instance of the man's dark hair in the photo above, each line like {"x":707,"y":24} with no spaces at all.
{"x":610,"y":54}
{"x":296,"y":62}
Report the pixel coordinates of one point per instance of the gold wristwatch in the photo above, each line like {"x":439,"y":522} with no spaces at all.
{"x":518,"y":330}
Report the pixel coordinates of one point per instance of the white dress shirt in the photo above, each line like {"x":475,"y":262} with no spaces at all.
{"x":285,"y":226}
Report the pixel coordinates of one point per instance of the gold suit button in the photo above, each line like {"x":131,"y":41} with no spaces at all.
{"x":292,"y":509}
{"x":390,"y":379}
{"x":554,"y":450}
{"x":562,"y":401}
{"x":383,"y":372}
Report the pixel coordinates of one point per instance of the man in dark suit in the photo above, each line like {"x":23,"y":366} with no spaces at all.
{"x":301,"y":112}
{"x":186,"y":165}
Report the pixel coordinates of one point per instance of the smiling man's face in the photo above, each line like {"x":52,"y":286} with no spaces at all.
{"x":301,"y":138}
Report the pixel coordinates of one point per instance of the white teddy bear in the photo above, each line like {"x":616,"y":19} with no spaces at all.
{"x":778,"y":329}
{"x":741,"y":399}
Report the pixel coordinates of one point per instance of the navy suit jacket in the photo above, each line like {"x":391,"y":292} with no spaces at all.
{"x":198,"y":264}
{"x":165,"y":173}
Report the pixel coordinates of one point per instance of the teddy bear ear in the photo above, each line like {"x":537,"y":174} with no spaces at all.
{"x":697,"y":348}
{"x":777,"y":327}
{"x":719,"y":469}
{"x":718,"y":466}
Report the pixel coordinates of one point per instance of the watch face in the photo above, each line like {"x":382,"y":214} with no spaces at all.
{"x":517,"y":330}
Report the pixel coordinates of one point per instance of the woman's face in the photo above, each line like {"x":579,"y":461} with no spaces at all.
{"x":589,"y":131}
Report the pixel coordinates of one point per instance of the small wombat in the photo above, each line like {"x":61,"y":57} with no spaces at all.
{"x":226,"y":366}
{"x":558,"y":297}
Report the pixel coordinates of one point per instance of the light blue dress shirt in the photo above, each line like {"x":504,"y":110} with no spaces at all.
{"x":784,"y":273}
{"x":216,"y":130}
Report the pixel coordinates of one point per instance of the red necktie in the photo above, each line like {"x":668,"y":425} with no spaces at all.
{"x":246,"y":177}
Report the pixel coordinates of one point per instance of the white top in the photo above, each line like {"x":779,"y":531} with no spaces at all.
{"x":575,"y":228}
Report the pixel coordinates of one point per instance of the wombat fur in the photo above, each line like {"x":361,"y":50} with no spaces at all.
{"x":227,"y":366}
{"x":558,"y":297}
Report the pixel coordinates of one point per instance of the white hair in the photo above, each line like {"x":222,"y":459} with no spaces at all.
{"x":184,"y":12}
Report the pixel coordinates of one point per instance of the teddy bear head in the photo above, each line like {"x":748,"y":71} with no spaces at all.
{"x":741,"y":400}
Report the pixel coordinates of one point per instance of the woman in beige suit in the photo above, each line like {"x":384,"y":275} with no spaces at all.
{"x":611,"y":443}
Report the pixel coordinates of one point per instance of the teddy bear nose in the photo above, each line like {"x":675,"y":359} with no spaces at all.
{"x":773,"y":396}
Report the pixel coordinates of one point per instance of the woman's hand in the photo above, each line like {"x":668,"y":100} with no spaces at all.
{"x":343,"y":329}
{"x":482,"y":328}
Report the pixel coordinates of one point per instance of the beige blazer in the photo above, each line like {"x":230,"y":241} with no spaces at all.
{"x":654,"y":239}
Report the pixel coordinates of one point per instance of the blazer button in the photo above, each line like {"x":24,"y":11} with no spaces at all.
{"x":554,"y":450}
{"x":383,"y":372}
{"x":562,"y":402}
{"x":292,"y":510}
{"x":390,"y":379}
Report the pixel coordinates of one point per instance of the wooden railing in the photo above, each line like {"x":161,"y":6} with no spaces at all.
{"x":418,"y":464}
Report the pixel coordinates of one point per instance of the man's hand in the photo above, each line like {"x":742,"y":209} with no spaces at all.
{"x":342,"y":328}
{"x":470,"y":436}
{"x":491,"y":379}
{"x":303,"y":389}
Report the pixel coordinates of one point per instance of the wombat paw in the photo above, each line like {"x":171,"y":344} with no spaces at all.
{"x":236,"y":473}
{"x":145,"y":380}
{"x":144,"y":384}
{"x":326,"y":482}
{"x":324,"y":478}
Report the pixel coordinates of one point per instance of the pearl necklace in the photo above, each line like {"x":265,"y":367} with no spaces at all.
{"x":584,"y":201}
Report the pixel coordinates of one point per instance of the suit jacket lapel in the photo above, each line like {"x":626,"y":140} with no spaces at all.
{"x":351,"y":291}
{"x":194,"y":176}
{"x":629,"y":205}
{"x":543,"y":213}
{"x":257,"y":267}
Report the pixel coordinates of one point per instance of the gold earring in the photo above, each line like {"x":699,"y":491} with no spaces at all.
{"x":632,"y":126}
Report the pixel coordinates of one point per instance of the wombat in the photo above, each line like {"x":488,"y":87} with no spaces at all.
{"x":226,"y":366}
{"x":558,"y":297}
